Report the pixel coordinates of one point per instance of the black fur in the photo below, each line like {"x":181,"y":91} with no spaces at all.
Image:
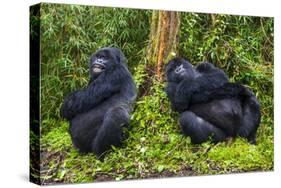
{"x":210,"y":106}
{"x":99,"y":112}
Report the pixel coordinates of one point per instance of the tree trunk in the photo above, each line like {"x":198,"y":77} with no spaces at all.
{"x":163,"y":39}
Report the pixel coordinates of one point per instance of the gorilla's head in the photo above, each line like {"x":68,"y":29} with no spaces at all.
{"x":106,"y":60}
{"x":178,"y":69}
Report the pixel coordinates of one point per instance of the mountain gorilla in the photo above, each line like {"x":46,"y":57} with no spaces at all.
{"x":99,"y":112}
{"x":210,"y":106}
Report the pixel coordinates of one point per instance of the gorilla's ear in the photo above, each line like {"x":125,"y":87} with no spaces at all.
{"x":120,"y":56}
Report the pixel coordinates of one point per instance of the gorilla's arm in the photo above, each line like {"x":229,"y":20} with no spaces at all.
{"x":170,"y":90}
{"x":228,"y":90}
{"x":83,"y":100}
{"x":209,"y":77}
{"x":203,"y":82}
{"x":183,"y":94}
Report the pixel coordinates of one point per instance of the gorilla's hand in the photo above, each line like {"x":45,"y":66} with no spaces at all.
{"x":205,"y":67}
{"x":68,"y":107}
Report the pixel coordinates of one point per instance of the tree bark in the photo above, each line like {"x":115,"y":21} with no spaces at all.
{"x":163,"y":42}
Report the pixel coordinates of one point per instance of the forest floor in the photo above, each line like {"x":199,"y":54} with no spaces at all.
{"x":155,"y":148}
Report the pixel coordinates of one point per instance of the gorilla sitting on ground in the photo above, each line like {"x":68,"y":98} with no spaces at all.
{"x":210,"y":106}
{"x":99,"y":112}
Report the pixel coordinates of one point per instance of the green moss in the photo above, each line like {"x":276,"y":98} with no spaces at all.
{"x":58,"y":139}
{"x":241,"y":156}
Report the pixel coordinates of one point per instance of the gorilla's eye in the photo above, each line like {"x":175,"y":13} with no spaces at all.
{"x":101,"y":57}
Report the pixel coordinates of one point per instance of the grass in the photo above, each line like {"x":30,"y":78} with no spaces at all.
{"x":155,"y":148}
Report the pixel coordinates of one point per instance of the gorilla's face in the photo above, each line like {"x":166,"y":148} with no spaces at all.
{"x":99,"y":62}
{"x":105,"y":60}
{"x":178,"y":69}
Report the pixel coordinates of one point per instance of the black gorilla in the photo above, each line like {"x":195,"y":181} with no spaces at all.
{"x":210,"y":106}
{"x":99,"y":112}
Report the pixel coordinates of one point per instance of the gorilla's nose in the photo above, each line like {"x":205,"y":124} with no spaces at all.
{"x":179,"y":69}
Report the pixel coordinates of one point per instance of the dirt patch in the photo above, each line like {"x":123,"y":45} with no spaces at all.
{"x":48,"y":174}
{"x":185,"y":171}
{"x":103,"y":177}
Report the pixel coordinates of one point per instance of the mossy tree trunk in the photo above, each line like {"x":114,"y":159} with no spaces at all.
{"x":163,"y":39}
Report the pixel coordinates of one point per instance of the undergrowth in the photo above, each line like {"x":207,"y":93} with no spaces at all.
{"x":155,"y":148}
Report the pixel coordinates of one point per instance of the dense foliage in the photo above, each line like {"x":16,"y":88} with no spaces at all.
{"x":241,"y":45}
{"x":70,"y":34}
